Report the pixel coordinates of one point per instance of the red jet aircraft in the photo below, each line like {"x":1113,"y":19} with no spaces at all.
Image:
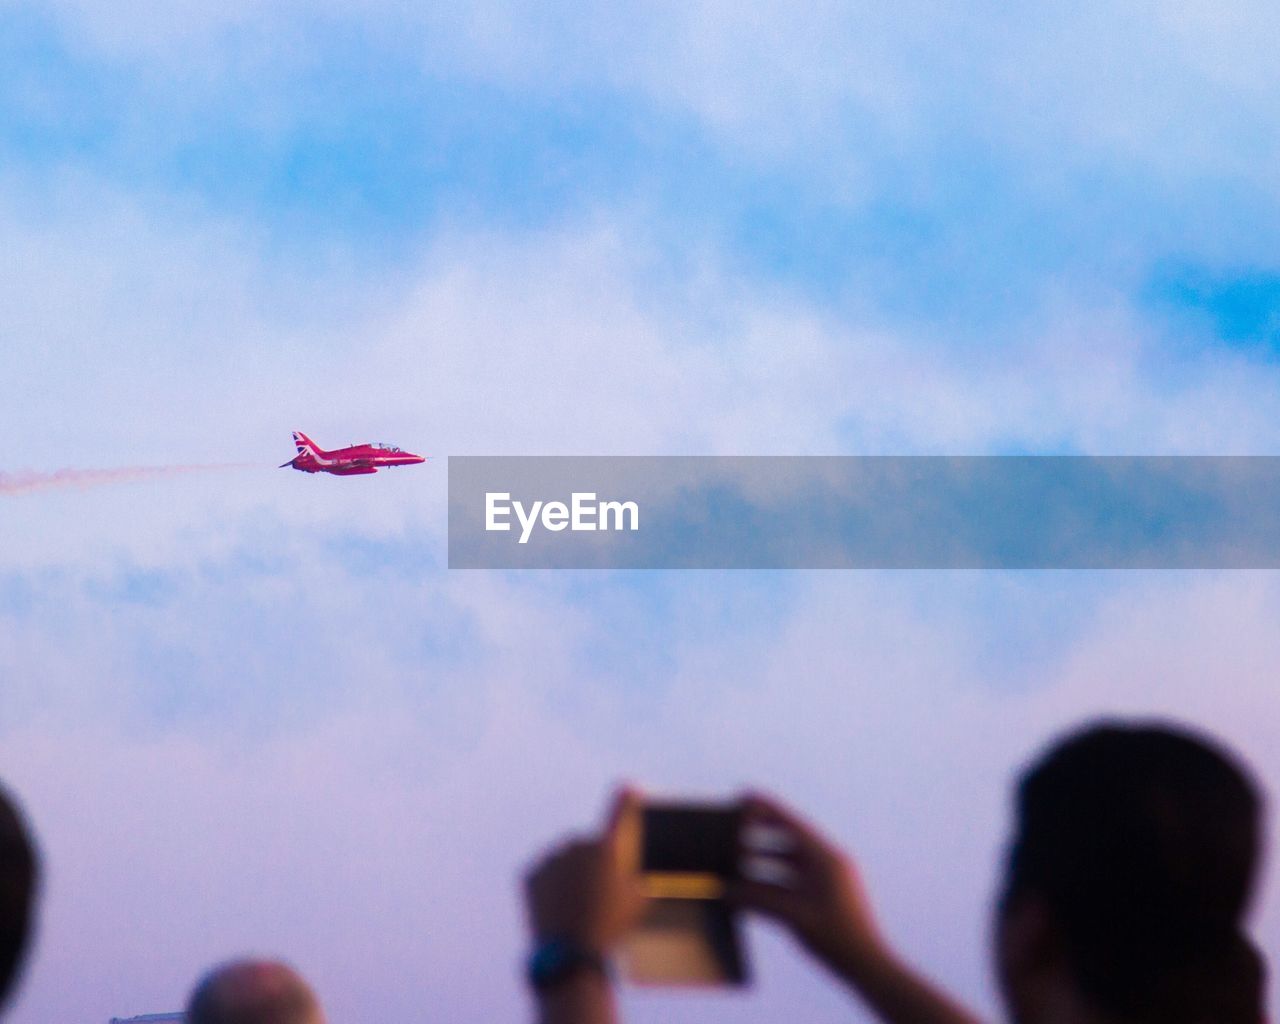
{"x":354,"y":460}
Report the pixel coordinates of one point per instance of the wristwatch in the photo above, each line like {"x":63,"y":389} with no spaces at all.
{"x":556,"y":960}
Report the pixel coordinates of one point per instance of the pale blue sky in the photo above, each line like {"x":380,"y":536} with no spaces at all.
{"x":251,"y":710}
{"x":350,"y":130}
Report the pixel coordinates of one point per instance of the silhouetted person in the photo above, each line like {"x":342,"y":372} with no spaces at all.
{"x":1128,"y":881}
{"x":1132,"y":864}
{"x":19,"y":876}
{"x":254,"y":992}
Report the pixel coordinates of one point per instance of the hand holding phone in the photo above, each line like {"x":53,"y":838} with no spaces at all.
{"x":796,"y":875}
{"x":588,"y":889}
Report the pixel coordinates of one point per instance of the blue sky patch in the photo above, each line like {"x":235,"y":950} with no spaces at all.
{"x":1241,"y":307}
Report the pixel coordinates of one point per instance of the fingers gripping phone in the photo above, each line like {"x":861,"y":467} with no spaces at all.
{"x":690,"y":934}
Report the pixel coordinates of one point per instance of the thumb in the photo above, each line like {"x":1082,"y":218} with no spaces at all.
{"x":623,"y":827}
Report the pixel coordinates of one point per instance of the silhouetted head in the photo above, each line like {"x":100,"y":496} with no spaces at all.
{"x":1129,"y":877}
{"x":19,"y":873}
{"x":253,"y":992}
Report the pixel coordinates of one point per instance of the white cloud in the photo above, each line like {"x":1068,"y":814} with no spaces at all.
{"x":1162,"y":93}
{"x":163,"y":337}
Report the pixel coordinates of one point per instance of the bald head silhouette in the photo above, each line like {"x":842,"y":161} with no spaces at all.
{"x":19,"y":873}
{"x":254,"y":992}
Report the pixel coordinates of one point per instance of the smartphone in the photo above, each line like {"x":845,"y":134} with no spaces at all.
{"x":690,"y":935}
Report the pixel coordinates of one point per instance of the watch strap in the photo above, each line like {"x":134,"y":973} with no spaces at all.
{"x":556,"y":960}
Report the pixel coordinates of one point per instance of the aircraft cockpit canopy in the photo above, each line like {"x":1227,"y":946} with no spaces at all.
{"x":386,"y":447}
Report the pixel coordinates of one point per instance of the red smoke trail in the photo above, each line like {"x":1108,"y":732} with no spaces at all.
{"x":25,"y":483}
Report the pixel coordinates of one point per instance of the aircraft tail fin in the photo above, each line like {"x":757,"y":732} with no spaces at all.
{"x":304,"y":444}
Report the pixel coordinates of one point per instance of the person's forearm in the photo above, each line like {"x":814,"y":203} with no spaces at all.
{"x":897,"y":993}
{"x":586,"y":998}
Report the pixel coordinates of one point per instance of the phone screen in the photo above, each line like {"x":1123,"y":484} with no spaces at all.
{"x":691,"y":838}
